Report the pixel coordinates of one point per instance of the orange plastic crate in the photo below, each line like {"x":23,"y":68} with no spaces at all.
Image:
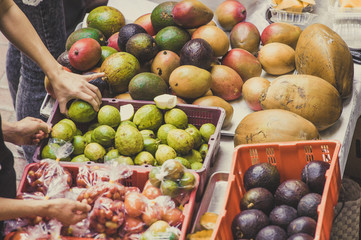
{"x":137,"y":179}
{"x":290,"y":158}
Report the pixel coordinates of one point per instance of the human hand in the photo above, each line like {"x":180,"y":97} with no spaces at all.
{"x":28,"y":131}
{"x":66,"y":211}
{"x":68,"y":86}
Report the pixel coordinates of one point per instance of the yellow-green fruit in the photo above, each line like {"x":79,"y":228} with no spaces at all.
{"x":176,"y":117}
{"x":180,"y":140}
{"x":104,"y":135}
{"x":123,"y":160}
{"x":207,"y":130}
{"x":163,"y":132}
{"x":197,"y":136}
{"x":107,"y":19}
{"x":146,"y":133}
{"x":163,"y":153}
{"x":80,"y":158}
{"x":148,"y":117}
{"x":79,"y":144}
{"x":119,"y":69}
{"x":47,"y":152}
{"x":109,"y":115}
{"x":190,"y":82}
{"x":169,"y":188}
{"x":70,"y":122}
{"x":203,"y":150}
{"x":144,"y":158}
{"x":151,"y":145}
{"x":128,"y":122}
{"x":78,"y":132}
{"x":81,"y":112}
{"x":153,"y":179}
{"x":111,"y":155}
{"x":128,"y":140}
{"x":196,"y":165}
{"x":172,"y":169}
{"x":183,"y":161}
{"x":95,"y":152}
{"x":193,"y":156}
{"x":187,"y":182}
{"x":88,"y":136}
{"x":62,"y":131}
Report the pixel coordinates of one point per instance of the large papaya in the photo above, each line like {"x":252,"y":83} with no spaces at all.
{"x":323,"y":53}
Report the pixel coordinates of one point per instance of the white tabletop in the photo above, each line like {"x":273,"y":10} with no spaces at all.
{"x":343,"y":129}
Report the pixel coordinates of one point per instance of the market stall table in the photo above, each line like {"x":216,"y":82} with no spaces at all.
{"x":342,"y":130}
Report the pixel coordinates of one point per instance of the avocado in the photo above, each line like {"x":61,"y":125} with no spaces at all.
{"x":87,"y":32}
{"x":282,"y":215}
{"x":313,"y":174}
{"x":128,"y":31}
{"x":102,"y":85}
{"x":197,"y":52}
{"x":271,"y":232}
{"x":162,"y":15}
{"x":302,"y":225}
{"x":63,"y":60}
{"x":308,"y":205}
{"x":300,"y":236}
{"x":290,"y":192}
{"x":263,"y":175}
{"x":172,"y":38}
{"x":257,"y":198}
{"x":247,"y":223}
{"x":142,"y":46}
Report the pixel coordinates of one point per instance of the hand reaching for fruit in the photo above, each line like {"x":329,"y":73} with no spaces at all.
{"x":68,"y":86}
{"x":27,"y":131}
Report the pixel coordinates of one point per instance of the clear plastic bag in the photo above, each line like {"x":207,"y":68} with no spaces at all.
{"x":174,"y":180}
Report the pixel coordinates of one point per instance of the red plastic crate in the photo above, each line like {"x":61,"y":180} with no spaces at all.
{"x":290,"y":158}
{"x":197,"y":115}
{"x":137,"y":179}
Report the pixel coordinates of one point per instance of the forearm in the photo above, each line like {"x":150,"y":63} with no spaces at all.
{"x":17,"y":28}
{"x":15,"y":208}
{"x":9,"y":131}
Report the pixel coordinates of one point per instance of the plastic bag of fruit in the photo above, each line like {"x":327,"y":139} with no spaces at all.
{"x":56,"y":189}
{"x":90,"y":175}
{"x":112,"y":188}
{"x":174,"y":180}
{"x":42,"y":174}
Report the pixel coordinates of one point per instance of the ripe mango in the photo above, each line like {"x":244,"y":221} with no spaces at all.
{"x":191,"y":14}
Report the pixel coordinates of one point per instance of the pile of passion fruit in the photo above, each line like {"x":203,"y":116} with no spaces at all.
{"x":274,"y":210}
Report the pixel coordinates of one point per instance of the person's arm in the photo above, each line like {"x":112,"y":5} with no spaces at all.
{"x":27,"y":131}
{"x":66,"y":211}
{"x":19,"y":31}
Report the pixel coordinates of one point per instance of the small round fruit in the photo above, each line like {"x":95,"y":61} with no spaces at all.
{"x":62,"y":131}
{"x":263,"y":175}
{"x":109,"y":115}
{"x":134,"y":204}
{"x":152,"y":192}
{"x":308,"y":205}
{"x":282,"y":215}
{"x":258,"y":198}
{"x":290,"y":192}
{"x":302,"y":225}
{"x":271,"y":232}
{"x":247,"y":223}
{"x":81,"y":111}
{"x":173,"y":216}
{"x":142,"y":46}
{"x":172,"y":169}
{"x":196,"y":165}
{"x":172,"y":38}
{"x":94,"y":151}
{"x":188,"y":181}
{"x":169,"y":188}
{"x":154,"y":177}
{"x":313,"y":174}
{"x":207,"y":130}
{"x":177,"y":118}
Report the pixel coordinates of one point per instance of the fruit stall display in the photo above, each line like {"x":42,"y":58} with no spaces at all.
{"x":176,"y":76}
{"x":141,"y":138}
